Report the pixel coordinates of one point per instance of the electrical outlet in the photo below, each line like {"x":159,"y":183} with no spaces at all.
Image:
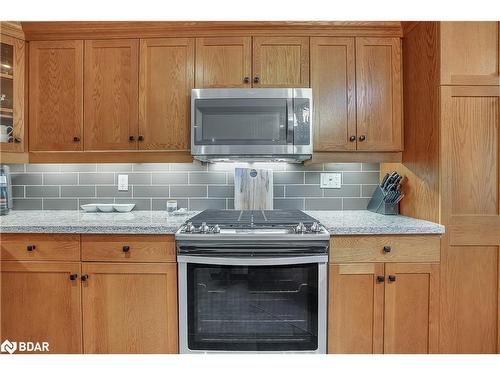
{"x":331,"y":180}
{"x":123,"y":182}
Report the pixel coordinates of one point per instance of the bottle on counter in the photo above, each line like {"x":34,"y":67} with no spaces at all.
{"x":4,"y":192}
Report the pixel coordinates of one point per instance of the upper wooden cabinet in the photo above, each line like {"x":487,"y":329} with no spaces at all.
{"x":12,"y":93}
{"x":111,"y":94}
{"x":56,"y":95}
{"x":43,"y":304}
{"x":165,"y":83}
{"x":470,"y":53}
{"x":223,"y":62}
{"x":379,"y":94}
{"x":281,"y":61}
{"x":333,"y":79}
{"x":228,"y":62}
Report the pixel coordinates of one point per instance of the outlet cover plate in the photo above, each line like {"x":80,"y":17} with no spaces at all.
{"x":123,"y":182}
{"x":331,"y":180}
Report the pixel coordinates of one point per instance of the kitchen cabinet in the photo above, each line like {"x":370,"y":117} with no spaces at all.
{"x":56,"y":95}
{"x":333,"y":79}
{"x":470,"y":176}
{"x":356,"y":308}
{"x":129,"y":308}
{"x":12,"y":93}
{"x":166,"y":78}
{"x":280,"y":61}
{"x":384,"y":294}
{"x":470,"y":53}
{"x":372,"y":310}
{"x":41,"y":303}
{"x":111,"y":94}
{"x":224,"y":62}
{"x":379,"y":94}
{"x":357,"y":86}
{"x":252,"y":62}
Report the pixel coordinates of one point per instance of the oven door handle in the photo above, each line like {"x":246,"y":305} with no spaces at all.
{"x":252,"y":261}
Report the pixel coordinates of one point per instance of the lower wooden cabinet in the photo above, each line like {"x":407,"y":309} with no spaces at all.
{"x":41,"y":303}
{"x":129,"y":308}
{"x":383,"y":308}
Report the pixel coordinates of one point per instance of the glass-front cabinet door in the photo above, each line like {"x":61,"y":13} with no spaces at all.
{"x":12,"y":77}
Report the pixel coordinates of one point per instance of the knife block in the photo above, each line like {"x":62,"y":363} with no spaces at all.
{"x":378,"y":205}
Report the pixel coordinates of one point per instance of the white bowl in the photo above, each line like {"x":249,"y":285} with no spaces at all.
{"x":124,"y":207}
{"x":106,"y":207}
{"x":89,"y":207}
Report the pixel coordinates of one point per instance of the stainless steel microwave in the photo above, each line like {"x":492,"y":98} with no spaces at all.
{"x":265,"y":124}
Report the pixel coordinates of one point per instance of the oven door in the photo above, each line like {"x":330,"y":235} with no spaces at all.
{"x":252,"y":304}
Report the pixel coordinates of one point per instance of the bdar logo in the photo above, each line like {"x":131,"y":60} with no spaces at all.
{"x":9,"y":347}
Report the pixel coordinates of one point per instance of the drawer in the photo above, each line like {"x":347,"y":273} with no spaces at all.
{"x":58,"y":247}
{"x":128,"y":248}
{"x":407,"y":248}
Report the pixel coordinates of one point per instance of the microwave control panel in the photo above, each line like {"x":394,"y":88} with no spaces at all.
{"x":302,"y":125}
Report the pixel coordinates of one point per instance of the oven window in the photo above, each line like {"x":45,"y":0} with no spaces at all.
{"x":252,"y":308}
{"x":241,"y":121}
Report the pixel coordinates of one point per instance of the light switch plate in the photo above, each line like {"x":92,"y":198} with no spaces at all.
{"x":123,"y":182}
{"x":331,"y":180}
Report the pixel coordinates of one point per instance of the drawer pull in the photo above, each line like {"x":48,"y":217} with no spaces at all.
{"x":126,"y":249}
{"x":85,"y":277}
{"x":387,"y":249}
{"x":31,"y":247}
{"x":73,"y":276}
{"x":392,"y":278}
{"x":380,"y":279}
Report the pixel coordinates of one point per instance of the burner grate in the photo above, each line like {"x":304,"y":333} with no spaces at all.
{"x":246,"y":218}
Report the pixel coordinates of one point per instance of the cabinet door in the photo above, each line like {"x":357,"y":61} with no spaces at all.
{"x":379,"y":94}
{"x":223,"y":62}
{"x":42,"y":304}
{"x":411,"y":308}
{"x":332,"y":81}
{"x":280,"y":61}
{"x":355,"y":308}
{"x":470,"y":53}
{"x":470,"y":174}
{"x":130,"y":308}
{"x":56,"y":95}
{"x":166,"y":80}
{"x":111,"y":94}
{"x":12,"y":77}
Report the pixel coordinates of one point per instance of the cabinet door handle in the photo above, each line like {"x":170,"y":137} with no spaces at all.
{"x":352,"y":138}
{"x":256,"y":79}
{"x":84,"y":277}
{"x":387,"y":249}
{"x":131,"y":138}
{"x":380,"y":279}
{"x":140,"y":138}
{"x":246,"y":80}
{"x":76,"y":139}
{"x":31,"y":247}
{"x":126,"y":249}
{"x":73,"y":276}
{"x":392,"y":278}
{"x":362,"y":138}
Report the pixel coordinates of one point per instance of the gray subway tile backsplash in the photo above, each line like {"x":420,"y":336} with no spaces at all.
{"x":194,"y":186}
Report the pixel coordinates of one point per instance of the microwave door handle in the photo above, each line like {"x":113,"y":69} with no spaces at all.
{"x":290,"y":125}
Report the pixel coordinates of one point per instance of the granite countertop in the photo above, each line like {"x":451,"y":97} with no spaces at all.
{"x":157,"y":222}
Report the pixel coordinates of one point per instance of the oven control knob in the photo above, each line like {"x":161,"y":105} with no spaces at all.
{"x":189,"y":228}
{"x":315,"y":227}
{"x":204,"y":228}
{"x":216,"y":229}
{"x":300,"y":228}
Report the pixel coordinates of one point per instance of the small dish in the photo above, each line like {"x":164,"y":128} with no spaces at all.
{"x":106,"y":207}
{"x":89,"y":207}
{"x":124,"y":207}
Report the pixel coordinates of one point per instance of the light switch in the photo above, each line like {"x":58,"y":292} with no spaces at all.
{"x":331,"y":180}
{"x":123,"y":182}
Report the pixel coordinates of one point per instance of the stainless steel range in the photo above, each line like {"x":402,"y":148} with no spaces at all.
{"x":252,"y":281}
